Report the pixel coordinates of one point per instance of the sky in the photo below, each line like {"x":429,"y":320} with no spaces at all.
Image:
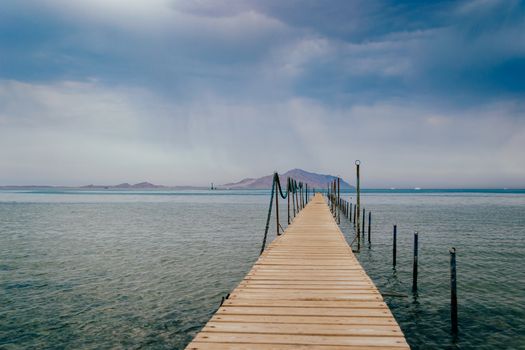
{"x":425,"y":94}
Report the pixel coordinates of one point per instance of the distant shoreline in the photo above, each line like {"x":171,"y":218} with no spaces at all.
{"x":207,"y":189}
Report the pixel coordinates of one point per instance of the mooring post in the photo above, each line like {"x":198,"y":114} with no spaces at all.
{"x":288,"y":197}
{"x":292,"y":182}
{"x":334,"y":205}
{"x":306,"y":193}
{"x":414,"y":266}
{"x":302,"y":196}
{"x":364,"y":220}
{"x":355,"y":210}
{"x":296,"y":195}
{"x":369,"y":224}
{"x":394,"y":247}
{"x":350,"y":212}
{"x":339,"y":200}
{"x":358,"y":208}
{"x":453,"y":293}
{"x":276,"y":179}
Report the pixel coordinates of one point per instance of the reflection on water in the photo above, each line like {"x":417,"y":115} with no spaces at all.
{"x":130,"y":270}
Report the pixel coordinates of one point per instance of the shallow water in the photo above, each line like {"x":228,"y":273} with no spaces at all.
{"x":88,"y":269}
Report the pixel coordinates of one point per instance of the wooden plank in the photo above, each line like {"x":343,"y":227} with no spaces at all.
{"x":306,"y":291}
{"x":300,"y":339}
{"x":367,"y":304}
{"x":305,"y":329}
{"x":277,"y":319}
{"x":304,"y":311}
{"x":250,"y":346}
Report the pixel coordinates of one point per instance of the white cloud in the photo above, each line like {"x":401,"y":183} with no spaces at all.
{"x":77,"y":133}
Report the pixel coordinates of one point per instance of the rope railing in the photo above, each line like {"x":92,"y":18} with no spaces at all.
{"x":298,"y":199}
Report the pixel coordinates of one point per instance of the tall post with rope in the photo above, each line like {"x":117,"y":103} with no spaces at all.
{"x":276,"y":179}
{"x":358,"y":205}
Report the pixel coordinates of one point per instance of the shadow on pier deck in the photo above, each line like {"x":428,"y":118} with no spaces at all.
{"x":306,"y":291}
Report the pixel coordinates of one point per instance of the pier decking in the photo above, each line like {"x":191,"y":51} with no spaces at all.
{"x":306,"y":291}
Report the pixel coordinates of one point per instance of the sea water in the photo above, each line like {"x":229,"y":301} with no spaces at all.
{"x":147,"y":269}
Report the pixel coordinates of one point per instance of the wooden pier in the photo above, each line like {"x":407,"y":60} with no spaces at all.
{"x":306,"y":291}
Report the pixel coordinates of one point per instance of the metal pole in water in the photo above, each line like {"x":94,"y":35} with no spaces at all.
{"x":369,"y":224}
{"x":394,"y":247}
{"x":453,"y":293}
{"x":414,"y":266}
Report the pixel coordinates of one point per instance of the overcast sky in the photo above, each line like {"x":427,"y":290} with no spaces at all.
{"x":190,"y":92}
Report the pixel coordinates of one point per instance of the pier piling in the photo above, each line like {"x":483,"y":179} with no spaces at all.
{"x":453,"y":293}
{"x":394,"y":247}
{"x":369,"y":224}
{"x":363,"y":228}
{"x":414,"y":266}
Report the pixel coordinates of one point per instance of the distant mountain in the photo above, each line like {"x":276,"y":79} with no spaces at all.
{"x":125,"y":185}
{"x":312,"y":179}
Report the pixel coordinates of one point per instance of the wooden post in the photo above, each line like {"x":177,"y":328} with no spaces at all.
{"x":301,"y":195}
{"x":350,"y":212}
{"x":339,"y":200}
{"x":369,"y":224}
{"x":276,"y":178}
{"x":333,"y":198}
{"x":288,"y":197}
{"x":306,"y":194}
{"x":355,"y":209}
{"x":414,"y":266}
{"x":293,"y":196}
{"x":394,"y":247}
{"x":364,"y":220}
{"x":296,"y":195}
{"x":358,"y":204}
{"x":453,"y":293}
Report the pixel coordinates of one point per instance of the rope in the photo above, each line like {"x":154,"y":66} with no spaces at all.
{"x":276,"y":179}
{"x":292,"y":187}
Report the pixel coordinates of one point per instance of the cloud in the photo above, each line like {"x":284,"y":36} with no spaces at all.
{"x":163,"y":90}
{"x":78,"y":133}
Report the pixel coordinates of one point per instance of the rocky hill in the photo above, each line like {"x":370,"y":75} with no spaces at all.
{"x":312,"y":179}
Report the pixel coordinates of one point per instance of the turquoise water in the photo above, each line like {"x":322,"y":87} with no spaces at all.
{"x":127,"y":269}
